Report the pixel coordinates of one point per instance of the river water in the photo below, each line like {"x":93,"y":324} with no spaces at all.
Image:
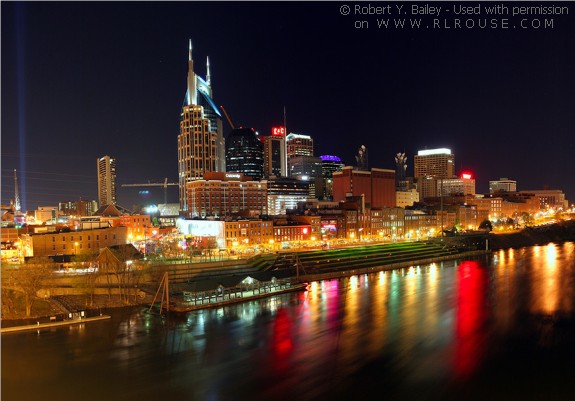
{"x":497,"y":327}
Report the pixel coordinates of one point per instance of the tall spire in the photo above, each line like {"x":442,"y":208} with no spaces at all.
{"x":208,"y":77}
{"x":191,"y":95}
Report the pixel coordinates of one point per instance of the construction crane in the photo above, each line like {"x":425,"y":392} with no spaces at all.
{"x":165,"y":184}
{"x":228,"y":117}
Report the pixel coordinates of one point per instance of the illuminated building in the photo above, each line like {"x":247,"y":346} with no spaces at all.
{"x":232,"y":234}
{"x":46,"y":214}
{"x":329,"y":165}
{"x":77,"y":208}
{"x":292,"y":232}
{"x":406,"y":198}
{"x":465,"y":185}
{"x":245,"y":153}
{"x":549,"y":198}
{"x":285,"y":193}
{"x":487,"y":208}
{"x":88,"y":241}
{"x":137,"y":225}
{"x":502,"y":185}
{"x":106,"y":180}
{"x":275,"y":163}
{"x":200,"y":142}
{"x":432,"y":165}
{"x":376,"y":186}
{"x":249,"y":232}
{"x":308,"y":168}
{"x":299,"y":145}
{"x":226,"y":194}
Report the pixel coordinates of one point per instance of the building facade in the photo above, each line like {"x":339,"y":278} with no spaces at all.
{"x":275,"y":154}
{"x":106,"y":180}
{"x":201,"y":145}
{"x":299,"y":145}
{"x":226,"y":194}
{"x":73,"y":242}
{"x":245,"y":153}
{"x":285,"y":193}
{"x":377,"y":186}
{"x":502,"y":185}
{"x":406,"y":198}
{"x":465,"y":185}
{"x":429,"y":167}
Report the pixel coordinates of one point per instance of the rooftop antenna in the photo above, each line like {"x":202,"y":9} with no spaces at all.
{"x":285,"y":144}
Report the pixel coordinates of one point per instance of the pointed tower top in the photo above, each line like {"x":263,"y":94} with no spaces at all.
{"x":190,"y":50}
{"x":208,"y":77}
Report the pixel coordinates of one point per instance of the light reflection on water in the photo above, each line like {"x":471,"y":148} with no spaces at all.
{"x":438,"y":331}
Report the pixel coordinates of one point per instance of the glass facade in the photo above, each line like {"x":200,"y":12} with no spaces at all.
{"x":245,"y":153}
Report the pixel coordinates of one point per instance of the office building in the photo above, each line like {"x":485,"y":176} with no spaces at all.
{"x":502,"y":185}
{"x":245,"y":153}
{"x":430,"y":166}
{"x":406,"y":198}
{"x":201,"y":145}
{"x":285,"y":193}
{"x":77,"y":208}
{"x":549,"y":198}
{"x":377,"y":186}
{"x":464,"y":185}
{"x":305,"y":166}
{"x":275,"y":153}
{"x":299,"y":145}
{"x":329,"y":164}
{"x":106,"y":180}
{"x":308,"y":168}
{"x":226,"y":194}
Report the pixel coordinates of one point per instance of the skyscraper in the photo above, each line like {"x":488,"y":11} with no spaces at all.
{"x":106,"y":180}
{"x":275,"y":153}
{"x":430,"y":166}
{"x":299,"y":145}
{"x":330,"y":164}
{"x":200,"y":142}
{"x":438,"y":163}
{"x":245,"y":153}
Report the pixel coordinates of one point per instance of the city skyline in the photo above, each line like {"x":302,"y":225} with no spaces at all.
{"x":107,"y":78}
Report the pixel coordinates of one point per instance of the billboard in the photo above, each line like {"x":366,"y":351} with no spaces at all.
{"x":203,"y":228}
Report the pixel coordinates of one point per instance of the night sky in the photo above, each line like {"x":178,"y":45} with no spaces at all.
{"x":81,"y":80}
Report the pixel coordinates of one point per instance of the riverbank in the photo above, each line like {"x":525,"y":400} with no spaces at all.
{"x":320,"y":265}
{"x":531,"y":236}
{"x":43,"y":309}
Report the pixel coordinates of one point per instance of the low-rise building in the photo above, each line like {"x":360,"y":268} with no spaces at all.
{"x":72,"y":242}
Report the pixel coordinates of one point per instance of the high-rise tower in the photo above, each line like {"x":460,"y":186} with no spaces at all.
{"x":245,"y":153}
{"x":275,"y":153}
{"x":430,"y":166}
{"x":106,"y":180}
{"x":201,"y":144}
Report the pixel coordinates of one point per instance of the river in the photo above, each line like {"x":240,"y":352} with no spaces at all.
{"x":497,"y":327}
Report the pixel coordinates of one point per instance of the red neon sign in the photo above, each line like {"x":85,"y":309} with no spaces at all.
{"x":278,"y":131}
{"x":466,"y":176}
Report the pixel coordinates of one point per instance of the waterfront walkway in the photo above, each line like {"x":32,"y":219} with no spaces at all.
{"x":41,"y":326}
